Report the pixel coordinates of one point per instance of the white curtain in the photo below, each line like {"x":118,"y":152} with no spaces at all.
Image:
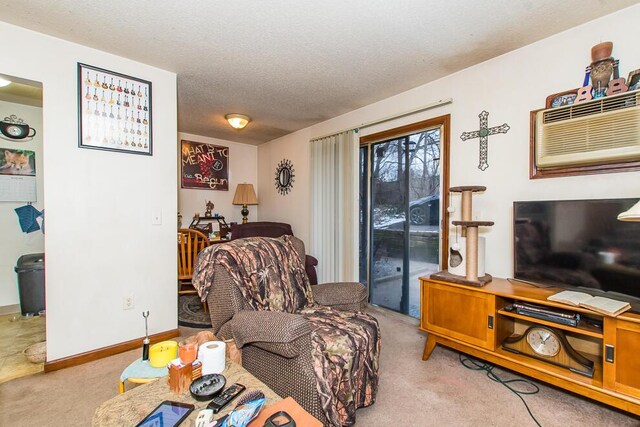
{"x":334,"y":206}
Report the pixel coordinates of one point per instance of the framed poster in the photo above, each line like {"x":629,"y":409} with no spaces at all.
{"x":204,"y":166}
{"x":114,"y":111}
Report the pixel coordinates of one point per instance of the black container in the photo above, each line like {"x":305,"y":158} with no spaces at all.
{"x":30,"y":269}
{"x":207,"y":386}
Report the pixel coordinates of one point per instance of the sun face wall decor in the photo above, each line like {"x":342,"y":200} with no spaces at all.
{"x":285,"y":177}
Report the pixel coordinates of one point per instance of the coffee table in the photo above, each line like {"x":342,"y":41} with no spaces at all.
{"x":130,"y":408}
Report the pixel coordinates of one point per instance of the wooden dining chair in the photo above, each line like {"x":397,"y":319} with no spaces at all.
{"x":190,"y":243}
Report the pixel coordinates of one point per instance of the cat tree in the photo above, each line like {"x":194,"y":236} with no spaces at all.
{"x":470,"y":230}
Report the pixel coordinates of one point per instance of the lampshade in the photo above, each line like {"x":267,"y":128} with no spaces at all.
{"x":245,"y":195}
{"x":633,"y":214}
{"x":238,"y":121}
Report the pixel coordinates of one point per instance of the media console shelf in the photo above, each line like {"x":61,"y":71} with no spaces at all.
{"x":474,"y":321}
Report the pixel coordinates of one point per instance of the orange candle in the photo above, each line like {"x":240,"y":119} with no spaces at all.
{"x":187,"y":352}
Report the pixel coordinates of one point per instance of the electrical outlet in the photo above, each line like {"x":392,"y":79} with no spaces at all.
{"x":128,"y":302}
{"x":156,"y":217}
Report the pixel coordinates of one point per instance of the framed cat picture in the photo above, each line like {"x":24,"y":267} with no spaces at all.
{"x":17,"y":175}
{"x":17,"y":162}
{"x":114,"y":111}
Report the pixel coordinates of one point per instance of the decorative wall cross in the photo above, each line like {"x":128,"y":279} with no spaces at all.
{"x":483,"y":134}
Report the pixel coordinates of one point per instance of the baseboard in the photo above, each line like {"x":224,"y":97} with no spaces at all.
{"x":90,"y":356}
{"x":9,"y":309}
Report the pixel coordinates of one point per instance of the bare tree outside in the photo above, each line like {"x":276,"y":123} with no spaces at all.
{"x":388,"y":174}
{"x":402,"y":241}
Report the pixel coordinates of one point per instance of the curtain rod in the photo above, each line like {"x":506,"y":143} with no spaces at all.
{"x":436,"y":104}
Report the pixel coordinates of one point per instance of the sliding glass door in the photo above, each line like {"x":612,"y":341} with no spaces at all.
{"x":400,"y":235}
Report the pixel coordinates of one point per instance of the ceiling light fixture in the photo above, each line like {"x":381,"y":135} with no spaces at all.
{"x":633,"y":214}
{"x":238,"y":121}
{"x":4,"y":82}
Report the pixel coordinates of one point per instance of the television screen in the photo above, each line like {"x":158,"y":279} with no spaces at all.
{"x":578,"y":243}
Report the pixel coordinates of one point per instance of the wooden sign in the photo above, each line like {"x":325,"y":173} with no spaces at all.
{"x":205,"y":166}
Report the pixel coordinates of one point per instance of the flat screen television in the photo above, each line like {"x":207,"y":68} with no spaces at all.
{"x":578,"y":244}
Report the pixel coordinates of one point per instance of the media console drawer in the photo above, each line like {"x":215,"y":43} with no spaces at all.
{"x":622,"y":356}
{"x":469,"y":317}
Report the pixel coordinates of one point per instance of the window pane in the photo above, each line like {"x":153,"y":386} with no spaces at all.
{"x":388,"y":205}
{"x":405,"y":218}
{"x":424,"y":211}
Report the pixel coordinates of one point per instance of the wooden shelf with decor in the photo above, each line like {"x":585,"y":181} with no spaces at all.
{"x":582,"y":329}
{"x":204,"y":224}
{"x":485,"y":325}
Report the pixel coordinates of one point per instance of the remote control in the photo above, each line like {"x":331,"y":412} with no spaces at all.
{"x":225,"y":397}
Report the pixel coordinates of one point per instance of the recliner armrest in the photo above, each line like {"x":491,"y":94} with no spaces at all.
{"x":310,"y":263}
{"x":311,"y":260}
{"x":273,"y":331}
{"x":341,"y":295}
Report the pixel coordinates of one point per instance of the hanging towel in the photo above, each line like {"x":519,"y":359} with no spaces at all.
{"x":41,"y":221}
{"x":27,"y":215}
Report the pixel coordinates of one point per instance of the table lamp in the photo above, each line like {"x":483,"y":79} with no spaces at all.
{"x":633,"y":214}
{"x":245,"y":196}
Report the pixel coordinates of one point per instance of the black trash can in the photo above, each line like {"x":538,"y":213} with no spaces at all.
{"x":30,"y":269}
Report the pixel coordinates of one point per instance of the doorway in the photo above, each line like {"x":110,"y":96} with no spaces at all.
{"x":22,"y":309}
{"x":403,"y":173}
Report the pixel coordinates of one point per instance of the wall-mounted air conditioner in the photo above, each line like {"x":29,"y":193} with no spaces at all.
{"x":601,"y":131}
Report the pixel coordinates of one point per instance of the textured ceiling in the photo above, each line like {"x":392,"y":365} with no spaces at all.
{"x":292,"y":63}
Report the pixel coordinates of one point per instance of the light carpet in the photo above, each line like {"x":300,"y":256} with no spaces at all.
{"x":412,"y":392}
{"x":442,"y":392}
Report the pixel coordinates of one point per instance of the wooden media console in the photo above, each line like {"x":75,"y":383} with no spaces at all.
{"x":476,"y":321}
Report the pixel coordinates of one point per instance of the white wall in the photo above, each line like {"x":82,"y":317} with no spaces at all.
{"x":294,"y":207}
{"x":508,"y":87}
{"x":14,"y":242}
{"x":243,"y":167}
{"x":100,"y":244}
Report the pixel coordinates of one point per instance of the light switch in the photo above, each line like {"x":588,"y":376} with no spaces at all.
{"x":156,"y":217}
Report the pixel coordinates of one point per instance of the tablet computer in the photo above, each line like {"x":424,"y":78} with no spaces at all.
{"x":167,"y":414}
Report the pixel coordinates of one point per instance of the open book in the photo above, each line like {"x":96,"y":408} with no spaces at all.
{"x":600,"y":304}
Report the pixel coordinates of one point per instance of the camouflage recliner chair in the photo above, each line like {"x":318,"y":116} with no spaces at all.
{"x":277,"y":347}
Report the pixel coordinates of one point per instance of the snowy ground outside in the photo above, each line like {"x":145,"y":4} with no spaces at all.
{"x":386,"y":283}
